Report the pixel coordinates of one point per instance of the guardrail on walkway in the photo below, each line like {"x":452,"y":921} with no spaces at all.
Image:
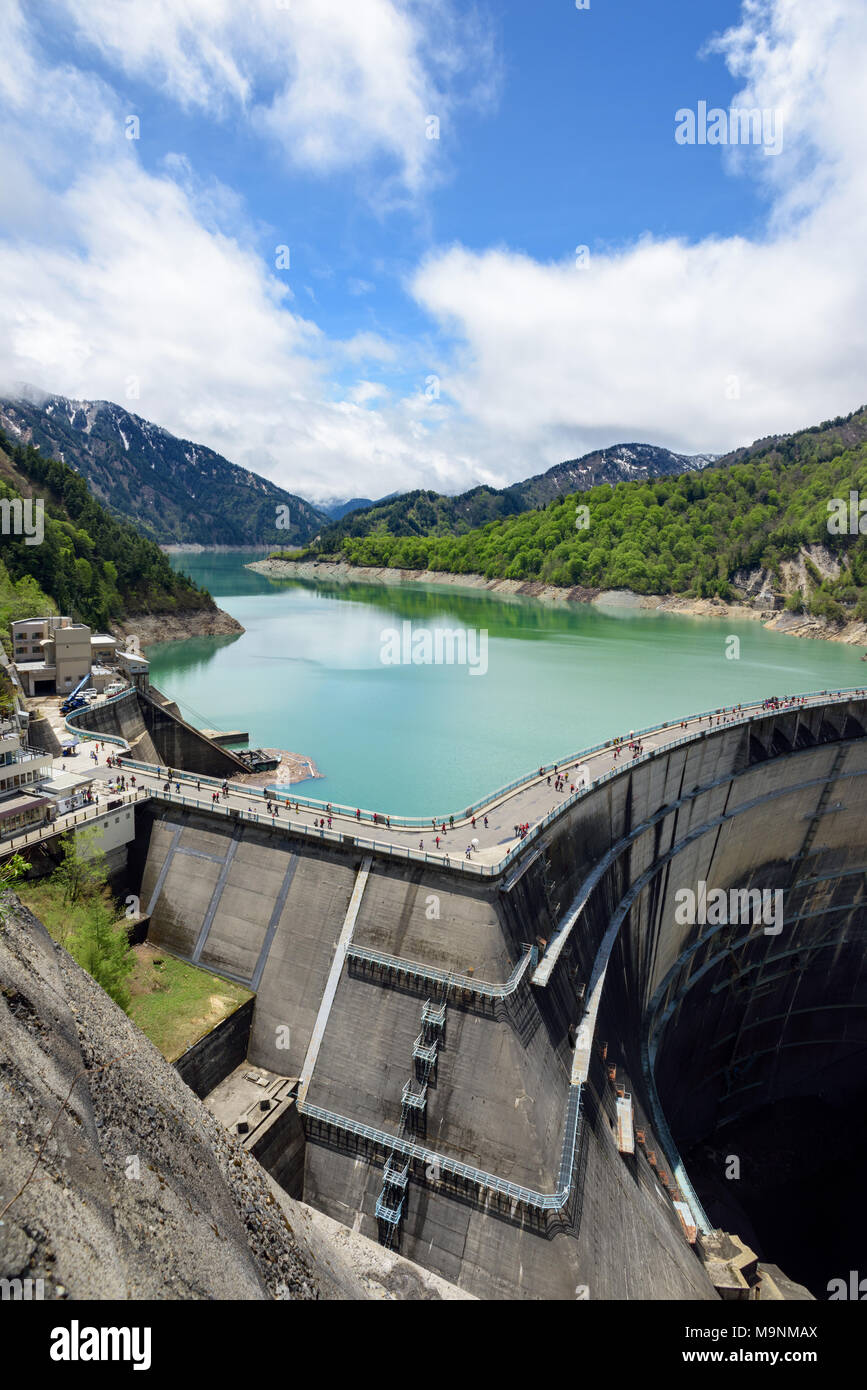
{"x":92,"y":733}
{"x":429,"y":973}
{"x":337,"y":837}
{"x":420,"y":822}
{"x":393,"y":1143}
{"x":749,"y":714}
{"x":49,"y":829}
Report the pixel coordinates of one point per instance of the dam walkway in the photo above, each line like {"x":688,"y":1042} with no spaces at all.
{"x":530,"y":801}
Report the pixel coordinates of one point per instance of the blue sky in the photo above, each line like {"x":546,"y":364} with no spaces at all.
{"x":576,"y":149}
{"x":724,"y":295}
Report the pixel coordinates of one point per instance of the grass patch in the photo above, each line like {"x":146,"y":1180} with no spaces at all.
{"x":175,"y":1004}
{"x":45,"y":900}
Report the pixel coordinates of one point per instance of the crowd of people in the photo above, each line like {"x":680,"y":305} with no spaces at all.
{"x":572,"y":776}
{"x":633,"y":744}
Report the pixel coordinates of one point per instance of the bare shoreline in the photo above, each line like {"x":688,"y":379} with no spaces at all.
{"x":150,"y":628}
{"x":792,"y":624}
{"x":294,"y":768}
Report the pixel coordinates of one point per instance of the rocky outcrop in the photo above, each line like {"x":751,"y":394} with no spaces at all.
{"x":175,"y":627}
{"x":117,"y":1183}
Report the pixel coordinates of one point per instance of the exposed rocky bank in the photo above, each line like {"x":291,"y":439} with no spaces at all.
{"x":175,"y":627}
{"x":759,"y":603}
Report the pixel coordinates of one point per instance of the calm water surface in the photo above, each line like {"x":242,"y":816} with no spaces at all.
{"x":307,"y":676}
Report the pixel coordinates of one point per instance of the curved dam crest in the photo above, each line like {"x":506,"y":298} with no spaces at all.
{"x":627,"y":1035}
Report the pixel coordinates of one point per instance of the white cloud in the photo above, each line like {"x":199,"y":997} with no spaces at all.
{"x":335,"y":83}
{"x":365,"y":391}
{"x":109,"y":272}
{"x":653,"y":342}
{"x":147,"y":299}
{"x":116,"y":280}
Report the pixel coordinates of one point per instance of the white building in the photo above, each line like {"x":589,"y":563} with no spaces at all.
{"x":53,"y":655}
{"x":67,"y":791}
{"x":22,"y":802}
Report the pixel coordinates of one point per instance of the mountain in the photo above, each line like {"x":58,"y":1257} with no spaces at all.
{"x":90,"y":564}
{"x":172,"y":490}
{"x":336,"y":510}
{"x":621,"y":463}
{"x":761,"y":523}
{"x":423,"y":513}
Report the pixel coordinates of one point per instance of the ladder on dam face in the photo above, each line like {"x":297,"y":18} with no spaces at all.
{"x":433,"y":1017}
{"x":413,"y":1114}
{"x":425,"y":1050}
{"x":425,"y":1057}
{"x":390,"y":1202}
{"x":413,"y":1104}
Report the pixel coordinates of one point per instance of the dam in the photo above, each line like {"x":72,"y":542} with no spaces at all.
{"x":496,"y":1064}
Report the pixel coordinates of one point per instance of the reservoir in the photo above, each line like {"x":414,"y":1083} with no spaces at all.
{"x":308,"y":675}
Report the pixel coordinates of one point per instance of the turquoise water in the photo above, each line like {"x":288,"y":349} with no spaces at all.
{"x":412,"y":739}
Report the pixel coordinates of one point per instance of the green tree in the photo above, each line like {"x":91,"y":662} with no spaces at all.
{"x":82,"y":871}
{"x":11,"y":870}
{"x":102,"y":948}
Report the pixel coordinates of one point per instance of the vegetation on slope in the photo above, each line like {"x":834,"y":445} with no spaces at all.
{"x":688,"y":534}
{"x":421,"y":513}
{"x":21,"y":599}
{"x":175,"y":1004}
{"x":76,"y":906}
{"x":92,"y":566}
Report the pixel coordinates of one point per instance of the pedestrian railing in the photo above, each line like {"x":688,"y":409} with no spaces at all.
{"x":93,"y":733}
{"x":271,"y":822}
{"x":421,"y":822}
{"x":441,"y":1164}
{"x":745,"y":715}
{"x":48,"y":829}
{"x":398,"y":965}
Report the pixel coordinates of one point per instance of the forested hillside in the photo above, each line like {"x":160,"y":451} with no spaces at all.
{"x":422,"y":513}
{"x":91,"y":565}
{"x":690,"y":534}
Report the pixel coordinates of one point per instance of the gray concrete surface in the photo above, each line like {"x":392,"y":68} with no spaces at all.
{"x":624,"y":993}
{"x":140,"y":1192}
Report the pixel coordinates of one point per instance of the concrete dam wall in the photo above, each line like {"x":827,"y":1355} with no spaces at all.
{"x":157,"y":734}
{"x":137,"y":1191}
{"x":590,"y":1033}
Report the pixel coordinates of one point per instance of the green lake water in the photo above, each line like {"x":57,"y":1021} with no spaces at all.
{"x":307,"y":676}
